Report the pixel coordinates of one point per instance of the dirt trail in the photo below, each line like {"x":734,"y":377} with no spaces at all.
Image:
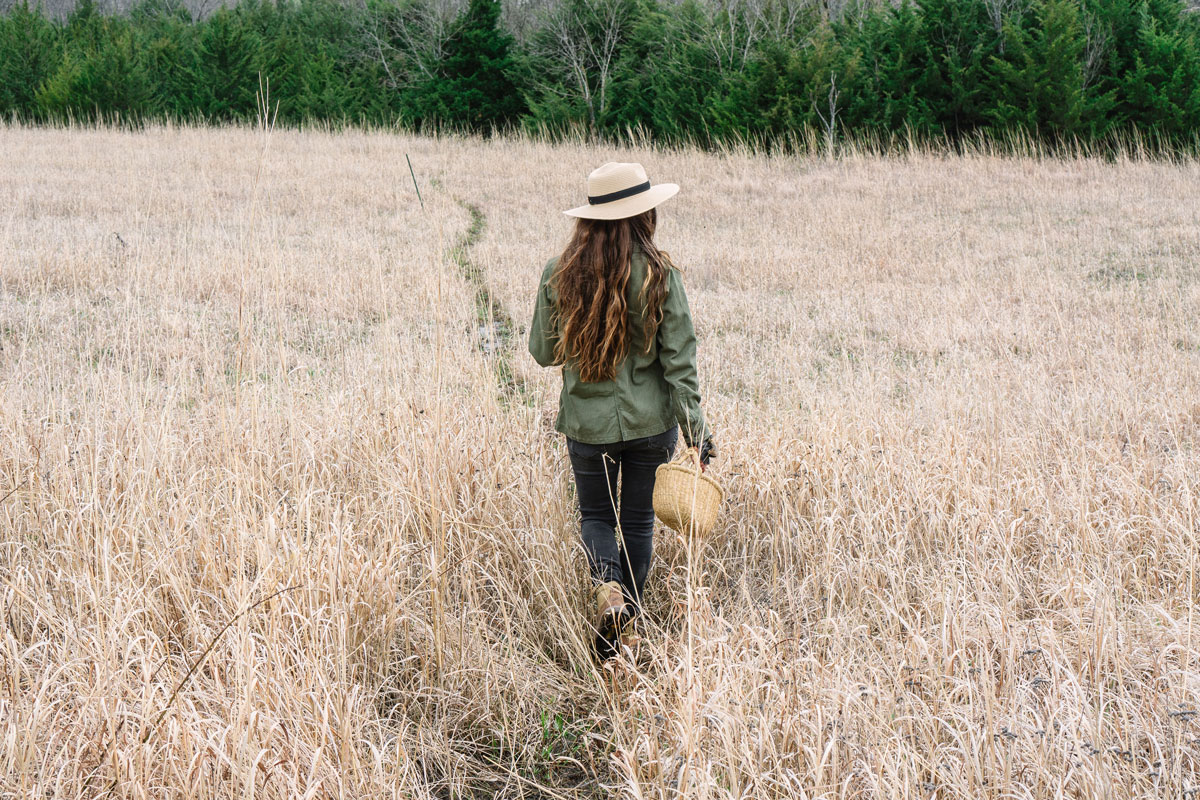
{"x":494,"y":327}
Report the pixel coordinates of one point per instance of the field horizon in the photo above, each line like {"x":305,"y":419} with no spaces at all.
{"x":283,"y":513}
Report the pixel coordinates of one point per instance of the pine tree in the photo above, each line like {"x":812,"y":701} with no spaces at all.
{"x":1039,"y":81}
{"x":822,"y":80}
{"x":167,"y":40}
{"x":668,"y":81}
{"x":101,"y":74}
{"x":473,"y":86}
{"x":1161,"y":89}
{"x":226,"y":74}
{"x":899,"y":72}
{"x":30,"y":52}
{"x":960,"y":39}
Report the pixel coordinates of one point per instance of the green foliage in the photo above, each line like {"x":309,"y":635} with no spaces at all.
{"x":473,"y":84}
{"x":900,"y":73}
{"x":29,"y":54}
{"x":101,"y":72}
{"x":960,"y":37}
{"x":169,"y":54}
{"x":647,"y":92}
{"x":1161,"y":88}
{"x":1039,"y":80}
{"x":574,"y":61}
{"x":1055,"y":70}
{"x":824,"y":77}
{"x":225,"y":76}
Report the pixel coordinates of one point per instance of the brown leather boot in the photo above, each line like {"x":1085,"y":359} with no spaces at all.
{"x":612,"y":612}
{"x":632,"y":639}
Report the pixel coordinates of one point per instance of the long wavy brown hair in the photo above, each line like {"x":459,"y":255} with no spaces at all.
{"x":590,"y":282}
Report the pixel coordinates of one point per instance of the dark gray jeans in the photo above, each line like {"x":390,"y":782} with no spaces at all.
{"x":596,"y":468}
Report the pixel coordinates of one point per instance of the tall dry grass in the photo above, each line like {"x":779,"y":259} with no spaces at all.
{"x":283,"y":513}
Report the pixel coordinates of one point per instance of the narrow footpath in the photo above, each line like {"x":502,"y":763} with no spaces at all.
{"x":494,"y":327}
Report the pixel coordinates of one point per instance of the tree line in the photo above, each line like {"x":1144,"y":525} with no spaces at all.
{"x":706,"y":71}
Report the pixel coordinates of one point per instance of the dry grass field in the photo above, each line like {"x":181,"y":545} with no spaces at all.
{"x":282,"y":513}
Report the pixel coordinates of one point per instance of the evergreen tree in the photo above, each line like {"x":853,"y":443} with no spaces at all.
{"x":167,"y":36}
{"x":821,"y":81}
{"x":668,"y":80}
{"x":677,"y":71}
{"x":473,"y":86}
{"x":960,"y":40}
{"x":1039,"y":81}
{"x":101,"y":73}
{"x":1161,"y":89}
{"x":226,"y":73}
{"x":899,"y":69}
{"x":306,"y":64}
{"x":762,"y":102}
{"x":30,"y":51}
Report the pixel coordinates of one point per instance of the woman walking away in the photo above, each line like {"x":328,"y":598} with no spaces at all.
{"x":612,"y":312}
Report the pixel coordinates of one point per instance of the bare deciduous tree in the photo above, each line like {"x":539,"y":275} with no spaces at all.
{"x":61,"y":9}
{"x":829,"y":117}
{"x":780,"y":17}
{"x":730,"y":29}
{"x":408,"y":39}
{"x":1098,"y":38}
{"x":999,"y":11}
{"x":733,"y":28}
{"x":581,"y":38}
{"x":522,"y":18}
{"x":835,"y":10}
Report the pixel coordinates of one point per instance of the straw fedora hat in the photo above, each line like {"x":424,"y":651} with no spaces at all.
{"x":617,"y":191}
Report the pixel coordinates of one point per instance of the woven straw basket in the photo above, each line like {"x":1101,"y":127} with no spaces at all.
{"x":684,"y":497}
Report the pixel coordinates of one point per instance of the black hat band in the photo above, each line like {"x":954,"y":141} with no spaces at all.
{"x":619,"y":195}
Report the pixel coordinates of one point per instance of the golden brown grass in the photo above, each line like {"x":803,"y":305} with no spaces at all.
{"x":958,"y":401}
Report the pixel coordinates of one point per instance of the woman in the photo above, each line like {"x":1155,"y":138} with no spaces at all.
{"x":612,"y":312}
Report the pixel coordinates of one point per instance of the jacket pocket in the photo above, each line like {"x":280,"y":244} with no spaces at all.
{"x":589,"y":391}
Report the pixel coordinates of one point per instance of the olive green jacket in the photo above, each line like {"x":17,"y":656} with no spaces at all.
{"x":651,"y":392}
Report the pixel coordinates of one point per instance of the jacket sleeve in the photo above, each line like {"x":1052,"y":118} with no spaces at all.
{"x":677,"y":354}
{"x":542,"y":334}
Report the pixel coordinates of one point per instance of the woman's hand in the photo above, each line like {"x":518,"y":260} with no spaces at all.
{"x":708,"y":451}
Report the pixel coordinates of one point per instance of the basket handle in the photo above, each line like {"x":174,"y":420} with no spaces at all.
{"x":690,"y":454}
